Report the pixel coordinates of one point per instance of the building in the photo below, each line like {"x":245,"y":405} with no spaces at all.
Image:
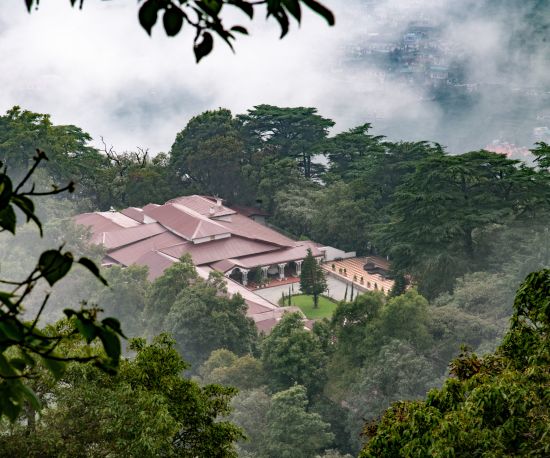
{"x":235,"y":243}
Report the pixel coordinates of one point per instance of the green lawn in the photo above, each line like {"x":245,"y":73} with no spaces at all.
{"x":324,"y":310}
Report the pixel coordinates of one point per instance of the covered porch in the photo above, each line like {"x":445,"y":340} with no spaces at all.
{"x":265,"y":276}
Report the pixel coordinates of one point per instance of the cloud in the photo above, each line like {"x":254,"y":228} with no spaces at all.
{"x":99,"y":70}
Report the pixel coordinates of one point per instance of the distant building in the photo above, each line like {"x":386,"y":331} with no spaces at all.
{"x":233,"y":241}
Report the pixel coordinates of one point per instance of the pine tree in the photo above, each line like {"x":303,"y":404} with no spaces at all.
{"x":312,"y":279}
{"x":289,"y":297}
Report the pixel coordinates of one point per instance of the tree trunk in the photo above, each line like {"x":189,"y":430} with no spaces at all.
{"x":31,"y":419}
{"x":315,"y":301}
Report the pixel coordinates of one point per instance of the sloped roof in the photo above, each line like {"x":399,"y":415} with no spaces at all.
{"x":225,"y":265}
{"x":134,"y":213}
{"x":122,"y":237}
{"x":217,"y":250}
{"x":129,"y":254}
{"x":250,"y":229}
{"x":184,"y":222}
{"x":202,"y":205}
{"x":280,"y":256}
{"x":104,"y":221}
{"x":157,"y":263}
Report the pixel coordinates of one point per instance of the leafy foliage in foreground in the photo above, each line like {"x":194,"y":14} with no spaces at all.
{"x":492,"y":406}
{"x":204,"y":16}
{"x":148,"y":409}
{"x":22,"y":344}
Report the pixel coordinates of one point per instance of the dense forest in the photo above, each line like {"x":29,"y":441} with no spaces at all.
{"x":461,"y":232}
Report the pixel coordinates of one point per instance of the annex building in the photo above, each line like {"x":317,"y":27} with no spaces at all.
{"x":233,"y":241}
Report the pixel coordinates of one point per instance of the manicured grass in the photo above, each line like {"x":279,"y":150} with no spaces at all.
{"x":324,"y":310}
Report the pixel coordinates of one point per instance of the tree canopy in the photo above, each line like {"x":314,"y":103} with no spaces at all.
{"x":493,"y":405}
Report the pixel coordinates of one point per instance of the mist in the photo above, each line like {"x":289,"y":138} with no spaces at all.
{"x":99,"y":70}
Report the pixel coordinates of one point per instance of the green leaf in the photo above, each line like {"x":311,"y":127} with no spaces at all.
{"x":55,"y":367}
{"x":148,"y":14}
{"x":239,"y":29}
{"x":246,"y":7}
{"x":54,"y":265}
{"x":12,"y":329}
{"x":114,"y":324}
{"x":111,"y":344}
{"x":19,"y":364}
{"x":5,"y":298}
{"x":204,"y":47}
{"x":8,"y":219}
{"x":293,"y":7}
{"x":320,"y":9}
{"x":212,"y":7}
{"x":31,"y":397}
{"x":86,"y":328}
{"x":173,"y":21}
{"x":27,"y":206}
{"x":282,"y":19}
{"x":6,"y":190}
{"x":6,"y":369}
{"x":69,"y":312}
{"x":91,"y":266}
{"x":10,"y":408}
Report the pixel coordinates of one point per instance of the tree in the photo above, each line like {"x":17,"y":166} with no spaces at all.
{"x":297,"y":133}
{"x":441,"y":212}
{"x":250,"y":409}
{"x":205,"y":17}
{"x":542,"y":155}
{"x":348,"y":149}
{"x":23,"y":345}
{"x":295,"y":209}
{"x":224,"y":367}
{"x":203,"y":319}
{"x":148,"y":409}
{"x":312,"y":278}
{"x":293,"y":432}
{"x":164,"y":291}
{"x":492,"y":405}
{"x":125,"y":298}
{"x":70,"y":156}
{"x":209,"y":152}
{"x":292,"y":354}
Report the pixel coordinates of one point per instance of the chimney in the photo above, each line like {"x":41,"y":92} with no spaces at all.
{"x":212,"y":210}
{"x":219,"y":202}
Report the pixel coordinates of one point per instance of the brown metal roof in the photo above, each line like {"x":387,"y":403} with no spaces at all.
{"x":135,"y":213}
{"x":156,"y":262}
{"x":103,"y":221}
{"x":250,"y":229}
{"x":202,"y":205}
{"x":217,"y":250}
{"x":129,"y":254}
{"x":122,"y":237}
{"x":224,"y":265}
{"x":286,"y":255}
{"x":184,"y":222}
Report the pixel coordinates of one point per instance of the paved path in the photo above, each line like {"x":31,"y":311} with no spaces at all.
{"x":336,"y":290}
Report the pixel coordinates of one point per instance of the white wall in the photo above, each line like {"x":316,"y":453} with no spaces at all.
{"x":332,"y":253}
